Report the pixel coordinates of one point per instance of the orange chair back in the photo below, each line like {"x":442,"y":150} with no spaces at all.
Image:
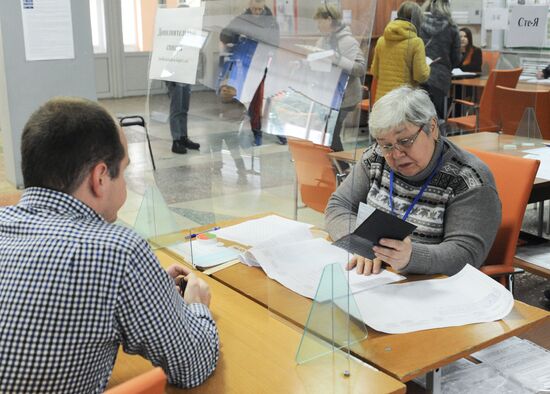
{"x":490,"y":60}
{"x":314,"y":173}
{"x":514,"y":177}
{"x":512,"y":104}
{"x":488,"y":112}
{"x":366,"y":104}
{"x":152,"y":382}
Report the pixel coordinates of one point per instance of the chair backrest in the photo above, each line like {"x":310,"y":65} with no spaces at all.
{"x":152,"y":382}
{"x":373,"y":86}
{"x":490,"y":59}
{"x":488,"y":113}
{"x":314,"y":172}
{"x":512,"y":104}
{"x":514,"y":177}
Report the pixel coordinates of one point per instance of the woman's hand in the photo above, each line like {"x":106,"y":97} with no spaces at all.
{"x":394,"y":252}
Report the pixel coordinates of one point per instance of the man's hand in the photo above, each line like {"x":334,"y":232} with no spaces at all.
{"x":394,"y":252}
{"x":196,"y":290}
{"x":539,"y":75}
{"x":364,"y":266}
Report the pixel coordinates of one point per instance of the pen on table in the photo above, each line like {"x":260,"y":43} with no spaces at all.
{"x":191,"y":236}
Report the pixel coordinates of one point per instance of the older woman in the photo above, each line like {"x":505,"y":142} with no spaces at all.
{"x":420,"y":176}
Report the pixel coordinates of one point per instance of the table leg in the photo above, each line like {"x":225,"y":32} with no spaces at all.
{"x":540,"y":223}
{"x":433,"y":381}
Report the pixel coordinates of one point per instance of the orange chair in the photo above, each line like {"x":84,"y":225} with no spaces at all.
{"x":512,"y":103}
{"x":490,"y":60}
{"x":486,"y":114}
{"x":315,"y":175}
{"x":152,"y":382}
{"x":366,"y":103}
{"x":514,"y":177}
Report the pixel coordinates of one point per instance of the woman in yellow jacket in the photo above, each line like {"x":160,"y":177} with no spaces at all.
{"x":400,"y":56}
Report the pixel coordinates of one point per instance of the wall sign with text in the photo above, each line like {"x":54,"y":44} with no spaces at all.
{"x":527,"y":26}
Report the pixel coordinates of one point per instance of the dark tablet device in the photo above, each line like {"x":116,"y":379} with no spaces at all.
{"x":378,"y":225}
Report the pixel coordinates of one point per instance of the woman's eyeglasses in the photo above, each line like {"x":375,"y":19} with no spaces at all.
{"x":401,"y":145}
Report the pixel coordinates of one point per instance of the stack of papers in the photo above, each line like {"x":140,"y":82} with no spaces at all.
{"x":468,"y":297}
{"x":522,"y":360}
{"x":254,"y":231}
{"x":457,"y":72}
{"x":542,"y":154}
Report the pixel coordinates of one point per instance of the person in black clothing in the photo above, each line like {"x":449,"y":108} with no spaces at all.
{"x":544,"y":74}
{"x":472,"y":57}
{"x":256,"y":23}
{"x":442,"y":42}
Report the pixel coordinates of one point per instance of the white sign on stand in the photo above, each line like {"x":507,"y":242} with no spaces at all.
{"x":495,"y":19}
{"x":178,"y":40}
{"x":47,"y":29}
{"x":527,"y":27}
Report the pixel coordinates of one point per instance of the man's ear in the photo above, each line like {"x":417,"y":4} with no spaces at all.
{"x":98,"y":178}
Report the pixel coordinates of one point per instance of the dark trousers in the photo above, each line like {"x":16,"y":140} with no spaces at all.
{"x":439,"y":98}
{"x":180,"y":94}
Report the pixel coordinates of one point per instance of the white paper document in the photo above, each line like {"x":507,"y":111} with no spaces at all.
{"x":468,"y":297}
{"x":255,"y":231}
{"x":299,"y":266}
{"x":457,"y":72}
{"x":542,"y":154}
{"x":535,"y":254}
{"x":204,"y":255}
{"x":522,"y":360}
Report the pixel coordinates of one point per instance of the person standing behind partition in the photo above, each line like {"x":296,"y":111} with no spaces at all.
{"x":543,"y":74}
{"x":472,"y":58}
{"x":348,"y":56}
{"x":399,"y":56}
{"x":256,"y":23}
{"x":442,"y":42}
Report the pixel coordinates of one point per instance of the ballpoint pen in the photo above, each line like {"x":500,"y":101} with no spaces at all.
{"x":194,"y":235}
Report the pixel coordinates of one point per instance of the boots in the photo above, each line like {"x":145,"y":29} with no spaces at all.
{"x":189,"y":144}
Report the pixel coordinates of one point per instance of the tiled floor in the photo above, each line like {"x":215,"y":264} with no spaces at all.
{"x":228,"y":177}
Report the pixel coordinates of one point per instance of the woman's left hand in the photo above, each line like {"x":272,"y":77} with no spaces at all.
{"x":394,"y":252}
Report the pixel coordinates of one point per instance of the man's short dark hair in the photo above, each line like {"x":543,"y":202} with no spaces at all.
{"x":64,"y":139}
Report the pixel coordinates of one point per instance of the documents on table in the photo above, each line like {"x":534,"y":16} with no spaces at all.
{"x":468,"y":297}
{"x":203,"y":255}
{"x":522,"y":360}
{"x":255,"y":231}
{"x":535,"y":254}
{"x":299,"y":266}
{"x":457,"y":72}
{"x":541,"y":154}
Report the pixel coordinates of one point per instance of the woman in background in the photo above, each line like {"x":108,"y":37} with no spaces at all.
{"x":471,"y":55}
{"x":399,"y":56}
{"x":442,"y":42}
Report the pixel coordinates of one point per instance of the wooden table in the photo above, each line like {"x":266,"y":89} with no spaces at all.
{"x":485,"y":141}
{"x":533,"y":268}
{"x":403,"y":356}
{"x":257,"y":355}
{"x":481,"y":82}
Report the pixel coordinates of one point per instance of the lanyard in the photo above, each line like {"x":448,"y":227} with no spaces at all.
{"x":419,"y":195}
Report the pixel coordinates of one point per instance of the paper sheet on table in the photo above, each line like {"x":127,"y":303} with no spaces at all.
{"x":204,"y":255}
{"x":542,"y":154}
{"x":457,"y":72}
{"x":255,"y":231}
{"x":299,"y":266}
{"x":535,"y":254}
{"x":539,"y":81}
{"x":525,"y":361}
{"x":468,"y":297}
{"x":297,"y":234}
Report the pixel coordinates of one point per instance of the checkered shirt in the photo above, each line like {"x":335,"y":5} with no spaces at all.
{"x":74,"y":287}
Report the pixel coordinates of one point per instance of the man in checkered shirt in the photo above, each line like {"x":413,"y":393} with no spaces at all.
{"x":73,"y":286}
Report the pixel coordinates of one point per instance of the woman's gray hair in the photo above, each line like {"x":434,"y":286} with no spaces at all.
{"x":442,"y":7}
{"x":399,"y":107}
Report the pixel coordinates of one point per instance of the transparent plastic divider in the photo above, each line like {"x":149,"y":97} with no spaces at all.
{"x":334,"y":321}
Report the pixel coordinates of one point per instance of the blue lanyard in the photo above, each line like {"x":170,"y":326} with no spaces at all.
{"x":419,"y":195}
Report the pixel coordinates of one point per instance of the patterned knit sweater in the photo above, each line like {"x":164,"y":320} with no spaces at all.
{"x":457,"y":217}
